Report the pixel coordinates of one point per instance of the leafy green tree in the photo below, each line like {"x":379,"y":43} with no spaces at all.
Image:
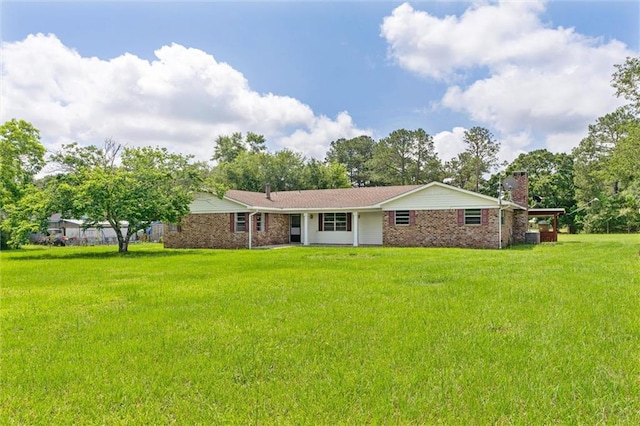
{"x":228,"y":148}
{"x":406,"y":157}
{"x":392,"y":159}
{"x":248,"y":172}
{"x":355,"y":154}
{"x":626,"y":154}
{"x":255,"y":142}
{"x":319,"y":175}
{"x":130,"y":187}
{"x":458,"y":171}
{"x":480,"y":156}
{"x":613,"y":214}
{"x":21,"y":158}
{"x":626,"y":81}
{"x":606,"y":161}
{"x":625,"y":158}
{"x":426,"y":166}
{"x":594,"y":175}
{"x":27,"y":214}
{"x":284,"y":171}
{"x":245,"y":164}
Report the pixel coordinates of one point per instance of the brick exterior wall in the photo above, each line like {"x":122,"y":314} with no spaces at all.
{"x":520,"y":196}
{"x":520,"y":225}
{"x":431,"y":228}
{"x":439,"y":228}
{"x":276,"y":233}
{"x":212,"y":230}
{"x":507,"y":228}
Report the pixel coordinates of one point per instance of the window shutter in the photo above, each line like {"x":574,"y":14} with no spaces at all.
{"x":232,"y":218}
{"x":265,"y":218}
{"x":392,"y":218}
{"x":460,"y":217}
{"x":412,"y":217}
{"x":485,"y":216}
{"x":319,"y":221}
{"x":349,"y":217}
{"x":255,"y":221}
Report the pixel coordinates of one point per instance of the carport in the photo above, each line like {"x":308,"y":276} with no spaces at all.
{"x":547,"y":235}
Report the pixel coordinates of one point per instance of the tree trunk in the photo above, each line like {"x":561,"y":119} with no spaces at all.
{"x":123,"y":245}
{"x":123,"y":241}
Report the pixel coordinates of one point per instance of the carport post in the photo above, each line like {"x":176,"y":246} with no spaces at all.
{"x":354,"y":215}
{"x":305,"y":236}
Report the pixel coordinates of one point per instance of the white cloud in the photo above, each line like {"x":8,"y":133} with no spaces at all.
{"x":563,"y":142}
{"x":513,"y":145}
{"x":449,"y":144}
{"x":484,"y":34}
{"x":321,"y":130}
{"x":546,"y":83}
{"x":182,"y":100}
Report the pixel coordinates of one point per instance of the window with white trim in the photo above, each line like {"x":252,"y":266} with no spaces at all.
{"x":402,"y":217}
{"x":241,"y":222}
{"x":473,"y":217}
{"x":259,"y":222}
{"x":334,"y":222}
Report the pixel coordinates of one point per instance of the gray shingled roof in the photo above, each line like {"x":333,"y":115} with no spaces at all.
{"x":320,"y":198}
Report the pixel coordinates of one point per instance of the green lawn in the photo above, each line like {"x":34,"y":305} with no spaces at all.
{"x":530,"y":335}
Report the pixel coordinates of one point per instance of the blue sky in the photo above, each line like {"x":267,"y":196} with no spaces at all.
{"x":178,"y":74}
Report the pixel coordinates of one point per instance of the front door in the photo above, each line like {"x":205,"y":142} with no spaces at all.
{"x":294,"y":228}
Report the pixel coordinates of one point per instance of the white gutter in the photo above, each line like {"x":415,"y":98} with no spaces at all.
{"x":500,"y":219}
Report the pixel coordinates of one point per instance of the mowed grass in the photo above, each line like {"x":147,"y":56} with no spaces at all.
{"x":315,"y":335}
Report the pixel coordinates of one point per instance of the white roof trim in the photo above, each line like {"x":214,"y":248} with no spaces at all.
{"x":240,"y":203}
{"x":454,"y":188}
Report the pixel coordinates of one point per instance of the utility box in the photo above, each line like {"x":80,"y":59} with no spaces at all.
{"x":532,"y":237}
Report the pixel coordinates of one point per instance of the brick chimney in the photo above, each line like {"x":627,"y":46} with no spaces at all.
{"x":267,"y":190}
{"x":520,"y":195}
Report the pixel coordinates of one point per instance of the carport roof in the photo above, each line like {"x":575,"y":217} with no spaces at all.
{"x":545,"y":212}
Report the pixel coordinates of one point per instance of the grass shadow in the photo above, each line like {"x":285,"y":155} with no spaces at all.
{"x":521,"y":247}
{"x":60,"y":255}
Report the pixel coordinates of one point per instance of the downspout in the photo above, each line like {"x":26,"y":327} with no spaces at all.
{"x":250,"y":224}
{"x":500,"y":219}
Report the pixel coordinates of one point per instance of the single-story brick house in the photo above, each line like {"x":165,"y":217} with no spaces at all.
{"x":431,"y":215}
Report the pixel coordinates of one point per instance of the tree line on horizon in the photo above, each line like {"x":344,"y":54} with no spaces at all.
{"x":405,"y":157}
{"x":598,"y":183}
